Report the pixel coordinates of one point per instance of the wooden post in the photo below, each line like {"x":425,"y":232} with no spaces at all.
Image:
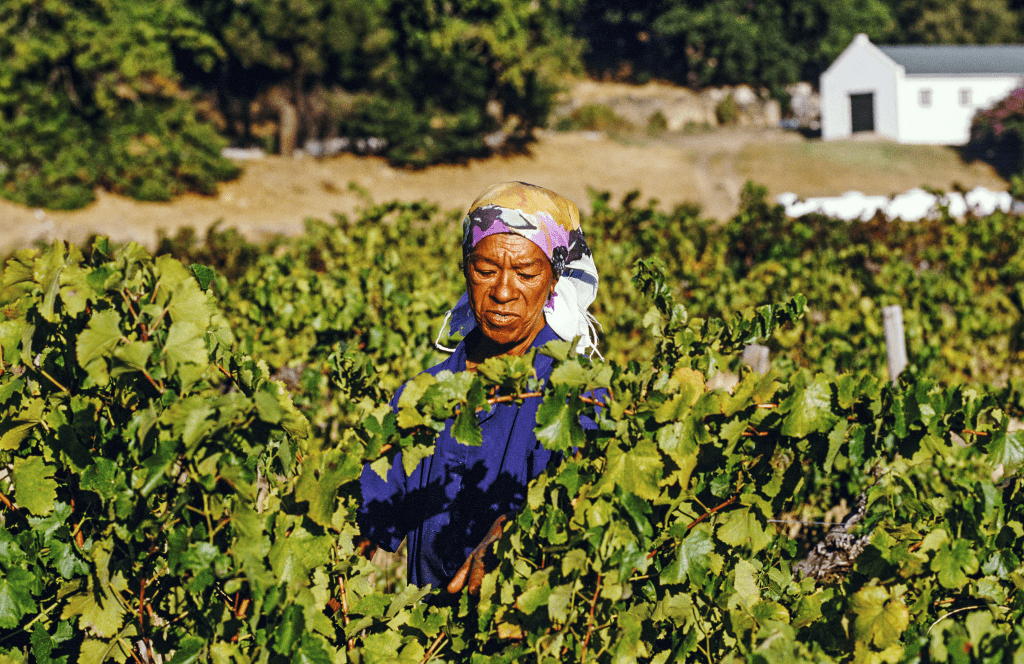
{"x":755,"y":356}
{"x":895,"y":341}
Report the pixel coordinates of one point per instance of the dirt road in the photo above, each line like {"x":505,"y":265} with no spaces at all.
{"x":276,"y":194}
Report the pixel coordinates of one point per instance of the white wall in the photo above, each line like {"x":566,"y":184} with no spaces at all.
{"x":946,"y":121}
{"x":860,"y":68}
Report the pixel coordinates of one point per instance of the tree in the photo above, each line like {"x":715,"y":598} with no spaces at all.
{"x":89,"y":96}
{"x":301,"y":46}
{"x":953,"y":22}
{"x":700,"y":42}
{"x":428,"y":79}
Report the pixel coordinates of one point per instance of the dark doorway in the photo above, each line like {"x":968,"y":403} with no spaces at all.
{"x":862,"y":112}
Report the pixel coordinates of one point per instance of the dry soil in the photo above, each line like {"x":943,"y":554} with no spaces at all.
{"x":276,"y":194}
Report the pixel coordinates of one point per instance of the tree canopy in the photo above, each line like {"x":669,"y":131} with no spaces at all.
{"x":136,"y":96}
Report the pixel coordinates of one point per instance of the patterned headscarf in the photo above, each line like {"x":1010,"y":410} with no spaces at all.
{"x":552,"y":223}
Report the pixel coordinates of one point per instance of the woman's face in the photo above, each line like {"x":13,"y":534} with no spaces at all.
{"x":509,"y":280}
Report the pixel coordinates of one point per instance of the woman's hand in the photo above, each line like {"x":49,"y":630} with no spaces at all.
{"x":471,"y":574}
{"x":365,"y":547}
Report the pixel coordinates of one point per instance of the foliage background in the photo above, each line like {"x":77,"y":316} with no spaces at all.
{"x":135,"y":97}
{"x":181,"y":446}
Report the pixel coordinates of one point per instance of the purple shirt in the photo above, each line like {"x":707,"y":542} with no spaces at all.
{"x":448,"y":504}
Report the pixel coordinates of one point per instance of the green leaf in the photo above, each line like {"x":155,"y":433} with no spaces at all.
{"x":204,"y":275}
{"x":289,"y":629}
{"x":1007,"y":448}
{"x":97,"y":341}
{"x":186,"y":345}
{"x":15,"y":597}
{"x":637,"y":470}
{"x":267,"y":406}
{"x":558,"y":423}
{"x":746,"y":591}
{"x":13,"y":437}
{"x":34,"y":487}
{"x":133,"y":355}
{"x":537,"y":592}
{"x":189,"y":650}
{"x":559,"y":601}
{"x":312,"y":651}
{"x":809,"y":410}
{"x":75,"y":292}
{"x":880,"y":620}
{"x":742,"y":527}
{"x":953,"y":562}
{"x":466,"y":428}
{"x":103,"y":613}
{"x":692,"y":561}
{"x":411,"y":457}
{"x":836,"y":438}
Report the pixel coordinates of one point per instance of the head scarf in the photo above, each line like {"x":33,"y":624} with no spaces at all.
{"x":552,"y":223}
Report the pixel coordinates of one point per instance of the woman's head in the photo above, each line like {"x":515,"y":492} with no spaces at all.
{"x":526,"y":263}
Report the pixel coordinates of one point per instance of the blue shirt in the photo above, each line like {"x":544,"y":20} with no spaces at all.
{"x":448,"y":503}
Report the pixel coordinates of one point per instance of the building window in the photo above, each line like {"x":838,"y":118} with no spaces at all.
{"x":965,"y":96}
{"x":924,"y":96}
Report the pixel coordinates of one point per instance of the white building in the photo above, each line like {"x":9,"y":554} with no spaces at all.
{"x":915,"y":94}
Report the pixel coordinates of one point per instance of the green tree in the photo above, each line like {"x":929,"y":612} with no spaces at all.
{"x":300,"y":46}
{"x":697,"y":42}
{"x":89,"y":96}
{"x":957,"y":22}
{"x":429,"y":79}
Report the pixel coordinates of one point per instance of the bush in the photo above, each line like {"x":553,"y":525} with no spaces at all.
{"x":997,"y":135}
{"x":727,"y":111}
{"x":89,"y":97}
{"x":593,"y":117}
{"x":657,"y":123}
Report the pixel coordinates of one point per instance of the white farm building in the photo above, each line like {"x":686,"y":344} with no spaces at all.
{"x":915,"y":94}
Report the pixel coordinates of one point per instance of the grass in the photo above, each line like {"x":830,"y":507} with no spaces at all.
{"x":830,"y":168}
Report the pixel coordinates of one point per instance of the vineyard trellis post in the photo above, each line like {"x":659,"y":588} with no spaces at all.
{"x":895,"y":340}
{"x":756,"y":357}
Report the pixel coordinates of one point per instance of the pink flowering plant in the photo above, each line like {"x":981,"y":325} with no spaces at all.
{"x":997,"y":136}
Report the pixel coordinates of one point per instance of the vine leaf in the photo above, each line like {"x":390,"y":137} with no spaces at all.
{"x":880,"y":619}
{"x":1007,"y":449}
{"x":741,"y":527}
{"x":204,"y":275}
{"x":637,"y":471}
{"x":15,"y":598}
{"x":97,"y":340}
{"x":99,"y":611}
{"x":34,"y":487}
{"x":558,"y":422}
{"x":188,"y":650}
{"x":694,"y":558}
{"x":953,"y":562}
{"x":809,"y":410}
{"x":747,"y":593}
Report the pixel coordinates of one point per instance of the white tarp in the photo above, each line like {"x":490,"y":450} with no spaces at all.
{"x":914,"y":205}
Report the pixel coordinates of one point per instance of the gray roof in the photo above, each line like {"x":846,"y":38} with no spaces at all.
{"x":994,"y":59}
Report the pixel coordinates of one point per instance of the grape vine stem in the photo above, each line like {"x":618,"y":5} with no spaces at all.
{"x":590,"y":620}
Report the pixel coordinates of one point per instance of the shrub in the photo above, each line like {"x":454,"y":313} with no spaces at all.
{"x":657,"y":123}
{"x":593,"y":117}
{"x":89,"y":97}
{"x":727,"y":111}
{"x":997,"y":135}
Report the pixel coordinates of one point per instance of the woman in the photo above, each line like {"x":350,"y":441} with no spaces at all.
{"x":530,"y":277}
